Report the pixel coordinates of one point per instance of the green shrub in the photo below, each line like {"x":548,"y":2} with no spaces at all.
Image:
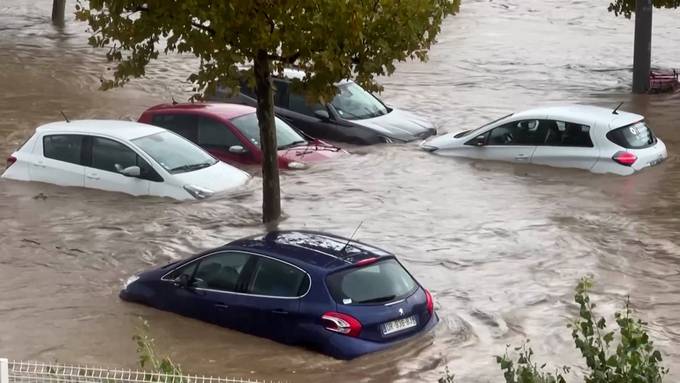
{"x":148,"y":358}
{"x":634,"y":360}
{"x":524,"y":370}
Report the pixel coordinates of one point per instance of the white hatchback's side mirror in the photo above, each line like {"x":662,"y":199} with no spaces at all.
{"x":479,"y":140}
{"x":130,"y":171}
{"x":237,"y":149}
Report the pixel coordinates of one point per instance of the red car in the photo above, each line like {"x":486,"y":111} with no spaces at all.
{"x":231,"y":133}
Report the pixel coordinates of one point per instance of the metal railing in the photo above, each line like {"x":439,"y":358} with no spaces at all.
{"x":36,"y":372}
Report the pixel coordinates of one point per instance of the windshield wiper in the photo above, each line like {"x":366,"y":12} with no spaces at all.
{"x":294,"y":143}
{"x":380,"y":299}
{"x":190,"y":167}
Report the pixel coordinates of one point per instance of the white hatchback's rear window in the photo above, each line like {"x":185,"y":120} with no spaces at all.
{"x":634,"y":136}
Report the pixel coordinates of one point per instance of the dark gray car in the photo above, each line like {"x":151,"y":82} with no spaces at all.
{"x":353,"y":116}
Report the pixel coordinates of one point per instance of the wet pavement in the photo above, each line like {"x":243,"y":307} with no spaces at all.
{"x":501,"y":246}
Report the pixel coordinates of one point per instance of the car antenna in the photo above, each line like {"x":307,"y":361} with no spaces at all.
{"x":173,"y":100}
{"x":64,"y":114}
{"x":617,"y":108}
{"x":351,"y":237}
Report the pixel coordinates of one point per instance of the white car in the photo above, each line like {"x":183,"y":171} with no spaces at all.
{"x":577,"y":136}
{"x":121,"y":156}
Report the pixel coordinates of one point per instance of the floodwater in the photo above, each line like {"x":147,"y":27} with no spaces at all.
{"x":500,"y":246}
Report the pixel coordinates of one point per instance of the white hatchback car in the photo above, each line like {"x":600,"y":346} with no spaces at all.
{"x":577,"y":136}
{"x":121,"y":156}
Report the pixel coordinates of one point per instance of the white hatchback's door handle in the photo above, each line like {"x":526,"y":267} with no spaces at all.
{"x":521,"y":157}
{"x":93,"y":176}
{"x":40,"y":164}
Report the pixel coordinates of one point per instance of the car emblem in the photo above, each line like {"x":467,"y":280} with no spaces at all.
{"x":401,"y":312}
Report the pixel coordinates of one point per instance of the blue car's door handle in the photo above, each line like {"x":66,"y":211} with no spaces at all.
{"x":280,"y":311}
{"x":221,"y":306}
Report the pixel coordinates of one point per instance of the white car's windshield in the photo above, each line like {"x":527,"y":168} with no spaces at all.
{"x":174,"y":153}
{"x":286,"y":137}
{"x":354,"y":103}
{"x":466,"y":133}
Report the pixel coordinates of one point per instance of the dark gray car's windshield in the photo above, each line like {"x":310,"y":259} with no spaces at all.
{"x":286,"y":136}
{"x":174,"y":153}
{"x":354,"y":103}
{"x":380,"y":282}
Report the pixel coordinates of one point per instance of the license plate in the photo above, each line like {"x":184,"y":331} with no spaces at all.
{"x":656,"y":161}
{"x":398,"y":325}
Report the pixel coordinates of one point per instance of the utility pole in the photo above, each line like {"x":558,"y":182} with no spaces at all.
{"x":642,"y":56}
{"x":58,"y":11}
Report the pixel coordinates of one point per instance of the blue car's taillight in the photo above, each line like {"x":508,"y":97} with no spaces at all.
{"x":429,"y":301}
{"x":341,"y":323}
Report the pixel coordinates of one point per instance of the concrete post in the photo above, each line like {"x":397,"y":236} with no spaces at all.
{"x":4,"y":370}
{"x":642,"y":56}
{"x":58,"y":11}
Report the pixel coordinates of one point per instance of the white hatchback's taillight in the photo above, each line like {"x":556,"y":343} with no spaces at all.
{"x":624,"y":158}
{"x":10,"y":161}
{"x":341,"y":323}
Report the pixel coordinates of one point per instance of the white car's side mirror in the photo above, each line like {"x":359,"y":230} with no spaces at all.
{"x":130,"y":171}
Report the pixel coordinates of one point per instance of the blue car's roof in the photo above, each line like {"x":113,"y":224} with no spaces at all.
{"x":321,"y":250}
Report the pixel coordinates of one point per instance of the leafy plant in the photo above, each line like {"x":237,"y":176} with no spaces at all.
{"x":148,"y":357}
{"x":634,"y":360}
{"x":525,"y":370}
{"x":627,"y":7}
{"x":448,"y":377}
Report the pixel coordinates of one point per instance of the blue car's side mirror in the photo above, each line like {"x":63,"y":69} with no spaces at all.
{"x":182,"y":281}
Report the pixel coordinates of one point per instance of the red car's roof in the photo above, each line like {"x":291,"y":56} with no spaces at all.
{"x":224,"y":110}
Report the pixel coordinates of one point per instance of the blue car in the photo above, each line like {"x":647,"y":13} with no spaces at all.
{"x":339,"y":296}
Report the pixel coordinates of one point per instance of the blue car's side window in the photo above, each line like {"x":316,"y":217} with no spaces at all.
{"x":220,"y":271}
{"x":278,"y":279}
{"x":187,"y":270}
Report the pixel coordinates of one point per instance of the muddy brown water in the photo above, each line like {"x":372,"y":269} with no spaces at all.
{"x":500,"y":246}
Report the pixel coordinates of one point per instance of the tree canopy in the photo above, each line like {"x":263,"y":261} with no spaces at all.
{"x":329,"y":39}
{"x":627,"y":7}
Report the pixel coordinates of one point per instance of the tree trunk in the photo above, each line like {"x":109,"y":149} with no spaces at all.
{"x":642,"y":56}
{"x":271,"y":193}
{"x":58,"y":11}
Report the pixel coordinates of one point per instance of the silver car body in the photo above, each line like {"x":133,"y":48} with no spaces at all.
{"x":600,"y":135}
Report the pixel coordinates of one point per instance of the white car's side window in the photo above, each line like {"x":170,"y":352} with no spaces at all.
{"x":63,"y":147}
{"x":562,"y":133}
{"x":111,"y":156}
{"x":523,"y":133}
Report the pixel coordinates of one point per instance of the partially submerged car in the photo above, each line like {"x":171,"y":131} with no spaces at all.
{"x":231,"y":133}
{"x":354,"y":115}
{"x":577,"y":136}
{"x":339,"y":296}
{"x":121,"y":156}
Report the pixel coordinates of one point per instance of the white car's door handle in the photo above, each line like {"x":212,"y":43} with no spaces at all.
{"x":40,"y":164}
{"x":93,"y":176}
{"x":521,"y":157}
